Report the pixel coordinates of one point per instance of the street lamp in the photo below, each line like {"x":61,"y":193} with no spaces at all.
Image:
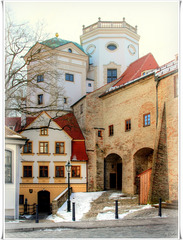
{"x":68,"y":168}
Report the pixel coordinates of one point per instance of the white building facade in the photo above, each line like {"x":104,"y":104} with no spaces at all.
{"x":52,"y":143}
{"x":112,"y":46}
{"x":13,"y":143}
{"x":57,"y":72}
{"x":60,"y":72}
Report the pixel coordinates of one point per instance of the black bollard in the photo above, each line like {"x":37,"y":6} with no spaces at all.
{"x":159,"y":214}
{"x":116,"y":210}
{"x":25,"y":206}
{"x":73,"y":212}
{"x":37,"y":215}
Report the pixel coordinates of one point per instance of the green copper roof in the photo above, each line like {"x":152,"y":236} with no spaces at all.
{"x":57,"y":42}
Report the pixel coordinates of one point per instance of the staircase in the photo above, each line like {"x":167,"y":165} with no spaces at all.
{"x":106,"y":203}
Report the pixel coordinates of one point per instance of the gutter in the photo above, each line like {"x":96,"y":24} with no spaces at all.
{"x":157,"y":83}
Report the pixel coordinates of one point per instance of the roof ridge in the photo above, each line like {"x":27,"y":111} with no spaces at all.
{"x":145,"y":60}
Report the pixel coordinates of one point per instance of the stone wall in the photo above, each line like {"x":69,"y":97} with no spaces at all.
{"x":159,"y":178}
{"x":90,"y":122}
{"x":140,"y":148}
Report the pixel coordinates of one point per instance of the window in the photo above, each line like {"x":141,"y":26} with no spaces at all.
{"x":44,"y":131}
{"x":75,"y":170}
{"x":59,"y":171}
{"x":60,"y":147}
{"x":43,"y":147}
{"x":111,"y":130}
{"x":40,"y":99}
{"x":69,"y":77}
{"x":89,"y":84}
{"x":70,"y":50}
{"x":99,"y":133}
{"x":21,"y":199}
{"x":65,"y":100}
{"x":43,"y":171}
{"x":147,"y":119}
{"x":27,"y":171}
{"x":40,"y":78}
{"x":111,"y":75}
{"x":27,"y":148}
{"x":8,"y":167}
{"x":112,"y":47}
{"x":127,"y":125}
{"x":175,"y":86}
{"x":81,"y":108}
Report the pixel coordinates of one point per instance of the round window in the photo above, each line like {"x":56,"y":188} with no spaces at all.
{"x":112,"y":47}
{"x":70,"y":50}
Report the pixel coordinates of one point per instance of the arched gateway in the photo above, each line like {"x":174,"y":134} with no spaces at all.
{"x":143,"y":164}
{"x":113,"y":172}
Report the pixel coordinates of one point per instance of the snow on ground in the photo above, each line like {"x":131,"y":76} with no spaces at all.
{"x":82,"y":205}
{"x":111,"y":215}
{"x":119,"y":195}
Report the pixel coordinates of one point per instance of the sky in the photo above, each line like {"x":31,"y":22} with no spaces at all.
{"x":157,"y":21}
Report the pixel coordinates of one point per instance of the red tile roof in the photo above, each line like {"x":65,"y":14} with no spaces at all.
{"x":70,"y":125}
{"x":16,"y":121}
{"x":136,"y":68}
{"x":67,"y":122}
{"x":79,"y":151}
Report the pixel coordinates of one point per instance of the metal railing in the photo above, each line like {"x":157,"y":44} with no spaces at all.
{"x":29,"y":209}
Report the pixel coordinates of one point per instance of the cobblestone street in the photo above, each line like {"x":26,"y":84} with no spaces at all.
{"x":153,"y":230}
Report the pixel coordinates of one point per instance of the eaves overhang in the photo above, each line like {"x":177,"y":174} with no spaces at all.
{"x":78,"y":101}
{"x":166,"y":75}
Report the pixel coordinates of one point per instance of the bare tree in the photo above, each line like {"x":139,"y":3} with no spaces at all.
{"x":25,"y":60}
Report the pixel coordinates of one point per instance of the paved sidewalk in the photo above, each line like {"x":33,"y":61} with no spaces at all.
{"x":13,"y":227}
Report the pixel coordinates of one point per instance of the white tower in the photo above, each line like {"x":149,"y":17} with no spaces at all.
{"x":112,"y":47}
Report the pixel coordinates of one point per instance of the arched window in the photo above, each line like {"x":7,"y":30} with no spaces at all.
{"x":8,"y":166}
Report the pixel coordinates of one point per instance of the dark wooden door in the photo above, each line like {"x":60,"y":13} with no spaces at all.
{"x":112,"y":180}
{"x":119,"y":176}
{"x":44,"y":201}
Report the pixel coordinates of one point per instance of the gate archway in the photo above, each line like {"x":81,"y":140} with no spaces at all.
{"x":143,"y":163}
{"x":113,"y":172}
{"x":44,"y":201}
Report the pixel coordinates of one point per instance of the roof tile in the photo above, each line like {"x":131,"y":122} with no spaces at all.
{"x":136,"y":68}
